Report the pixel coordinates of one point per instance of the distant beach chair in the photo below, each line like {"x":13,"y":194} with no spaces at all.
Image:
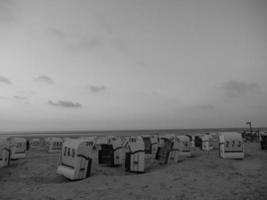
{"x":75,"y":161}
{"x":135,"y":155}
{"x":27,"y":145}
{"x":214,"y":140}
{"x":198,"y":141}
{"x":231,"y":145}
{"x":54,"y":144}
{"x":17,"y":148}
{"x":35,"y":143}
{"x":263,"y":140}
{"x":168,"y":151}
{"x":151,"y":145}
{"x":111,"y":151}
{"x":192,"y":140}
{"x":206,"y":142}
{"x":184,"y":145}
{"x":4,"y":152}
{"x":203,"y":141}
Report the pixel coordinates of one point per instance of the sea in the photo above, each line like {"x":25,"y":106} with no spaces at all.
{"x":83,"y":133}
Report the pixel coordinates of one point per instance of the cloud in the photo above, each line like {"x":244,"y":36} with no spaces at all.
{"x":205,"y":107}
{"x":65,"y":104}
{"x":141,"y":63}
{"x":57,"y":32}
{"x":27,"y":92}
{"x":97,"y":88}
{"x":21,"y":97}
{"x":200,"y":108}
{"x":75,"y":41}
{"x":121,"y":46}
{"x":85,"y":44}
{"x":44,"y":79}
{"x":5,"y":80}
{"x":103,"y":22}
{"x":237,"y":88}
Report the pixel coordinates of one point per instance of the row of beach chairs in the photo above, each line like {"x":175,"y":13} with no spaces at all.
{"x":14,"y":148}
{"x":132,"y":152}
{"x":78,"y":155}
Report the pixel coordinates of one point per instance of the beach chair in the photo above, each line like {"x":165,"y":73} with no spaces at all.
{"x":135,"y":155}
{"x":192,"y":140}
{"x":214,"y":141}
{"x":198,"y":141}
{"x":263,"y":140}
{"x":75,"y":161}
{"x":17,"y":148}
{"x":110,"y":151}
{"x":35,"y":143}
{"x":151,"y":144}
{"x":203,"y":141}
{"x":54,"y":145}
{"x":4,"y":152}
{"x":231,"y":145}
{"x":184,"y":145}
{"x":168,"y":151}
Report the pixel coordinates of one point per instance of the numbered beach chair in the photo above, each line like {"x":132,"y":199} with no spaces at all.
{"x":35,"y":143}
{"x":17,"y":148}
{"x":54,"y":144}
{"x":135,"y":155}
{"x":111,"y":151}
{"x":76,"y":159}
{"x":168,"y":151}
{"x":184,"y":145}
{"x":263,"y":140}
{"x":231,"y":145}
{"x":4,"y":152}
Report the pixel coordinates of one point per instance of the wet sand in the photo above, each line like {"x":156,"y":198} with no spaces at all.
{"x":204,"y":176}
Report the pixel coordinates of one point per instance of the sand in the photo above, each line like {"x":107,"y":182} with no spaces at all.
{"x":204,"y":176}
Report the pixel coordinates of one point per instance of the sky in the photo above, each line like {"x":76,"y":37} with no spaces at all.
{"x":132,"y":64}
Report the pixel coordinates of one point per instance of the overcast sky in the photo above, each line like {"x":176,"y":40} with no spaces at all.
{"x":138,"y":64}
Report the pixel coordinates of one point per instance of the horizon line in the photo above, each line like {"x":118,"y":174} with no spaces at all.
{"x":119,"y":130}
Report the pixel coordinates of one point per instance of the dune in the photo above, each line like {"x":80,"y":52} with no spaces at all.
{"x":204,"y":176}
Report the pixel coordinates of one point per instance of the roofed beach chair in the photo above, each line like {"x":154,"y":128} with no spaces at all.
{"x":76,"y":159}
{"x":231,"y":145}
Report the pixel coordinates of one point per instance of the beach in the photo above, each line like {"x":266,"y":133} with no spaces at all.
{"x":203,"y":176}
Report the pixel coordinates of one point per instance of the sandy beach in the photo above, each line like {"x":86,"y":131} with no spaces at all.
{"x":129,"y":79}
{"x":204,"y":176}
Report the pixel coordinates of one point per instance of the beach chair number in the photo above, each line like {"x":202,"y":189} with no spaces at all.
{"x":227,"y":143}
{"x":239,"y":143}
{"x":68,"y":151}
{"x":133,"y":139}
{"x":89,"y":143}
{"x":65,"y":151}
{"x":233,"y":143}
{"x":73,"y":153}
